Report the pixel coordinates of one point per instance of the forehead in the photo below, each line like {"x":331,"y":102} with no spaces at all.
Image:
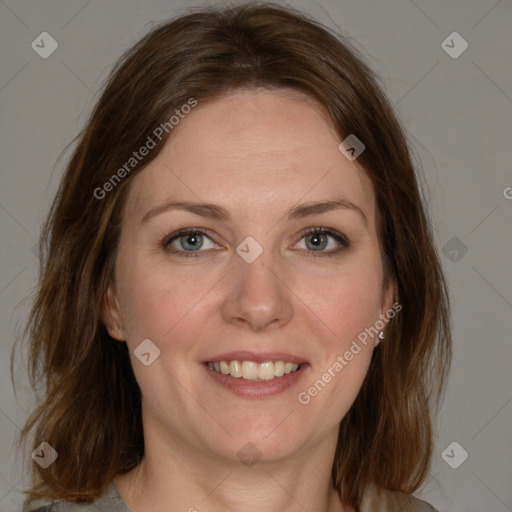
{"x":252,"y":150}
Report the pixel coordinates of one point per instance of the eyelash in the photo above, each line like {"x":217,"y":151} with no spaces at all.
{"x":340,"y":238}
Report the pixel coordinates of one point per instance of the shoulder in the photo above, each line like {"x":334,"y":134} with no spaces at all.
{"x":67,"y":506}
{"x":111,"y":501}
{"x":378,"y":499}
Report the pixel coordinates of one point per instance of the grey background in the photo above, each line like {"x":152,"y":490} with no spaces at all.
{"x":457,"y":112}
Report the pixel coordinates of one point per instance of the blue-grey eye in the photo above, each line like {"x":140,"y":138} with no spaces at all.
{"x":188,"y":241}
{"x":318,"y":240}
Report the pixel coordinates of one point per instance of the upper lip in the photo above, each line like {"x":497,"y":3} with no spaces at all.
{"x":257,"y":357}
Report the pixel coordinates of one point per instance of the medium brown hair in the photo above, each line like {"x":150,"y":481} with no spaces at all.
{"x":91,"y":409}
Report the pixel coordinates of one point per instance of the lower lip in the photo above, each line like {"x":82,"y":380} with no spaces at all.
{"x":257,"y":388}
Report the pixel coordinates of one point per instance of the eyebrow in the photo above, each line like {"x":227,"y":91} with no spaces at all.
{"x":216,"y":212}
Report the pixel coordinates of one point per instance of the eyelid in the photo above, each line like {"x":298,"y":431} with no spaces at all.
{"x":177,"y":234}
{"x":339,"y":237}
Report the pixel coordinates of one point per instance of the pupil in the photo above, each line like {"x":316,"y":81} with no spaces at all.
{"x":316,"y":239}
{"x":193,"y":241}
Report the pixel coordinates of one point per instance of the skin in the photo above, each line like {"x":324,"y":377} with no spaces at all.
{"x":256,"y":153}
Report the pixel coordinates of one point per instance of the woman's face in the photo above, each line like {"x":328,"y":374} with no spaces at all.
{"x":252,"y":281}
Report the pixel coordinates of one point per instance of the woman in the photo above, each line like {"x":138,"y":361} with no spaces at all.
{"x":241,"y":306}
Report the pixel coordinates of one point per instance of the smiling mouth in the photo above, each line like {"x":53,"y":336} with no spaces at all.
{"x":249,"y":370}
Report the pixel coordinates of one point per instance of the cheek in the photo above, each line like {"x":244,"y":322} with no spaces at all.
{"x":162,"y":303}
{"x":151,"y":299}
{"x":353,"y":299}
{"x":158,"y":301}
{"x":346,"y":347}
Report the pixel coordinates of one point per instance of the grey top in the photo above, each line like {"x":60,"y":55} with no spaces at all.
{"x":374,"y":500}
{"x":111,"y":501}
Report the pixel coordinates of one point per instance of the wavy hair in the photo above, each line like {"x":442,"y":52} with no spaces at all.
{"x":90,"y":412}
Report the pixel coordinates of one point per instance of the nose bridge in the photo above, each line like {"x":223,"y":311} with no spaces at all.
{"x":257,"y":296}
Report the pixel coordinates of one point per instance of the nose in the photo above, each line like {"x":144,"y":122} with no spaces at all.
{"x":258,"y":296}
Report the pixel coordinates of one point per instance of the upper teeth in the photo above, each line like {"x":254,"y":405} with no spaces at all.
{"x":253,"y":371}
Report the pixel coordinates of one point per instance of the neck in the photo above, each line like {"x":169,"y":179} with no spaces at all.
{"x":176,"y":474}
